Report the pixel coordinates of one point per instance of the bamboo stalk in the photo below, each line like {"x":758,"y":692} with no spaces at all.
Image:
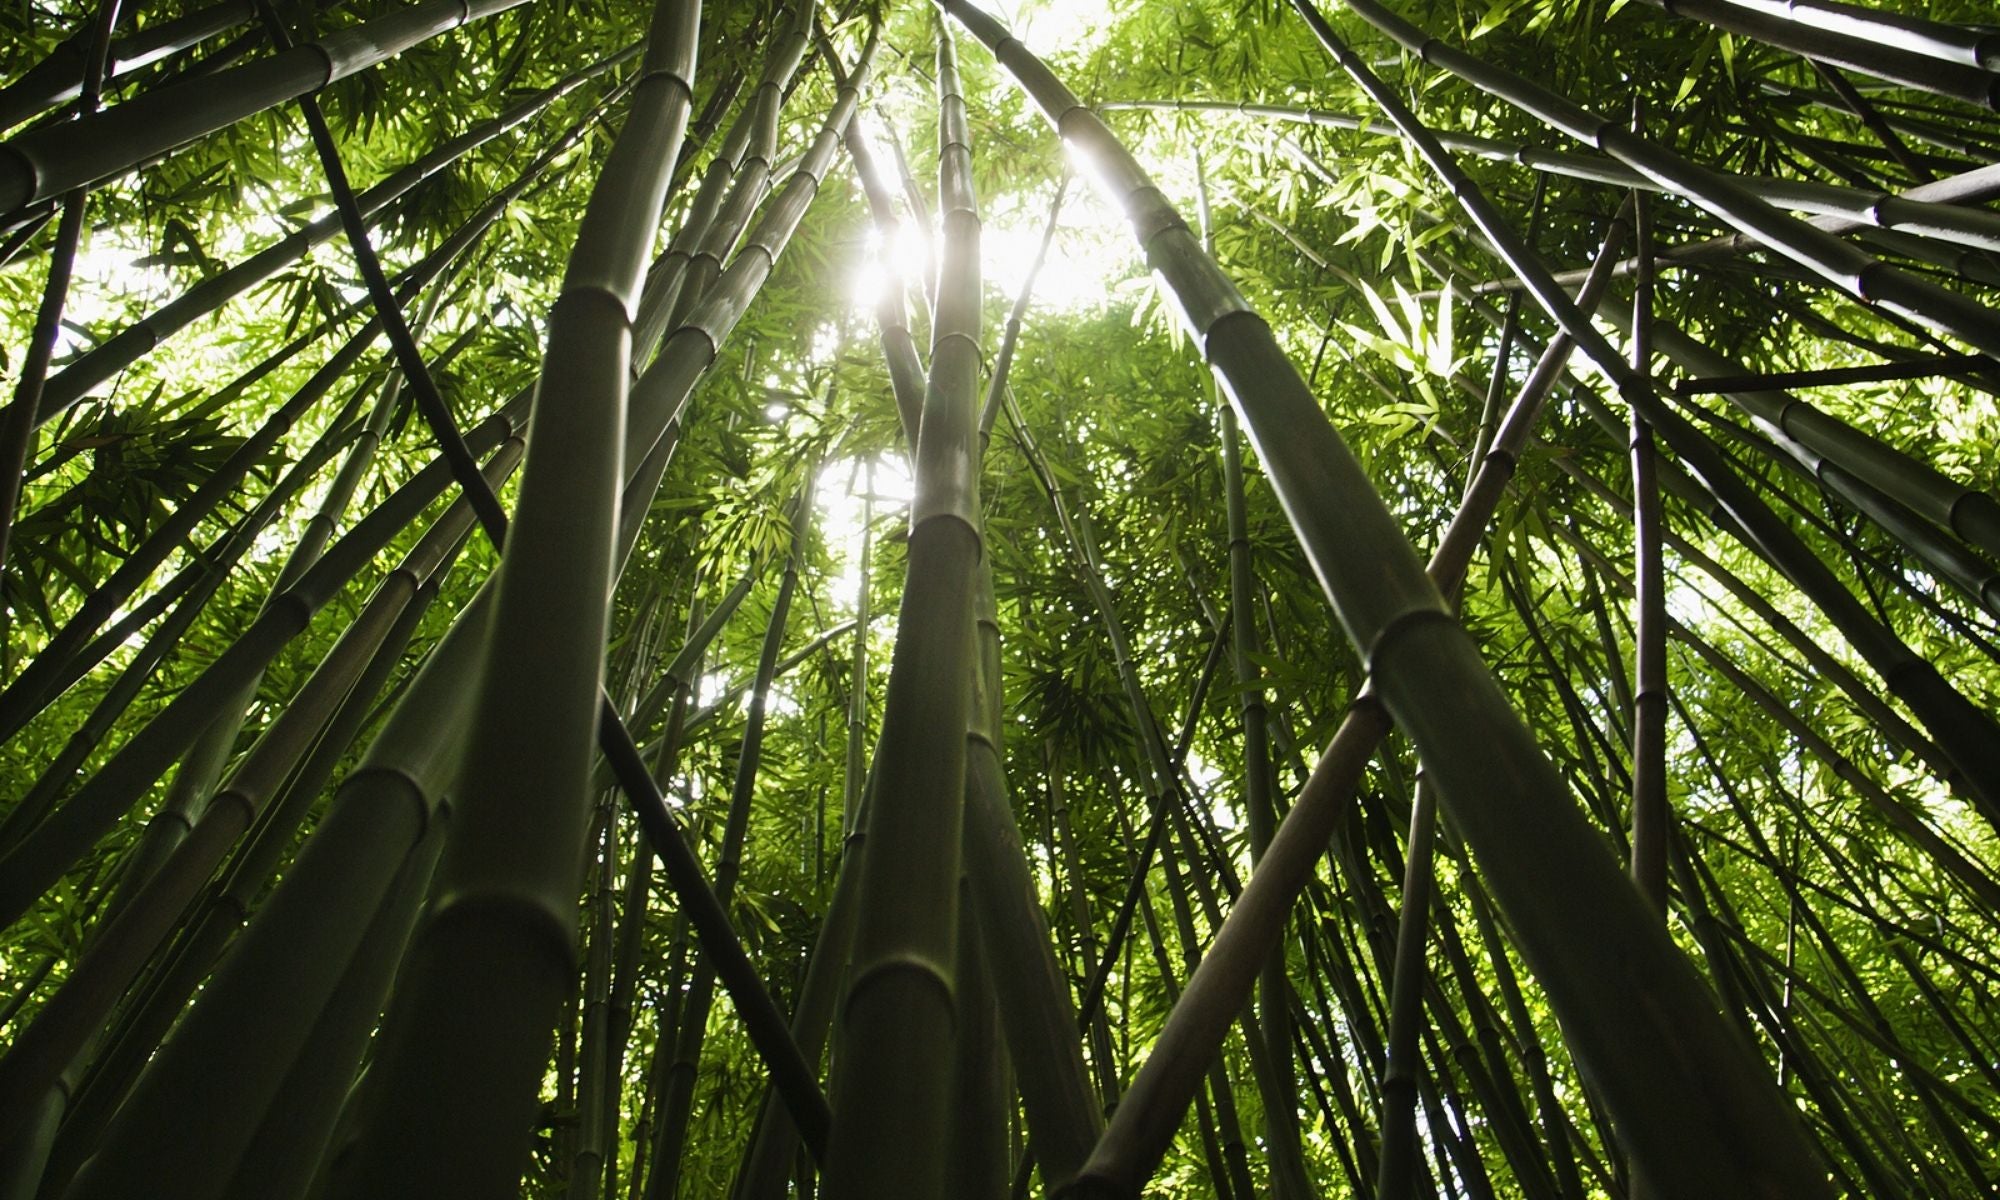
{"x":63,"y":74}
{"x":503,"y":916}
{"x":1440,"y":703}
{"x":1650,"y":814}
{"x":1813,"y":436}
{"x":891,"y":1058}
{"x":122,"y":349}
{"x":44,"y":163}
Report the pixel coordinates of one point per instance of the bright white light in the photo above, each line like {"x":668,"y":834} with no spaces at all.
{"x":902,"y":263}
{"x":775,"y":412}
{"x":1064,"y":26}
{"x":825,"y":344}
{"x":840,"y":508}
{"x":1089,"y":263}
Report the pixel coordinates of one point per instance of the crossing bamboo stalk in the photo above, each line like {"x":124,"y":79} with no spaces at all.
{"x":44,"y":163}
{"x":63,"y":74}
{"x":1965,"y":733}
{"x":105,"y":360}
{"x":1391,"y":613}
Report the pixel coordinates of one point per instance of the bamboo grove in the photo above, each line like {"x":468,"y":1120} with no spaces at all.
{"x":1203,"y":598}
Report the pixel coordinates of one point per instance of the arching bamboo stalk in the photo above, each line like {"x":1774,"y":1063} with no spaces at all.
{"x":122,"y":349}
{"x":1331,"y":506}
{"x":47,"y":162}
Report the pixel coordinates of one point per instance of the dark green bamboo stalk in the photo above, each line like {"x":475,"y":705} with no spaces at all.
{"x":891,"y":1064}
{"x":63,"y":74}
{"x":1399,"y":1083}
{"x":595,"y":1126}
{"x":976,"y":1145}
{"x":17,"y":424}
{"x":1036,"y":1011}
{"x":1650,"y":814}
{"x":503,"y":918}
{"x":127,"y":346}
{"x":1926,"y":55}
{"x":47,"y":162}
{"x":1445,"y":699}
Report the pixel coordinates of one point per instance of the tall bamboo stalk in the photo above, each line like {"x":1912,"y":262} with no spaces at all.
{"x":1444,"y":698}
{"x":891,"y":1072}
{"x":504,"y":913}
{"x":1649,"y":685}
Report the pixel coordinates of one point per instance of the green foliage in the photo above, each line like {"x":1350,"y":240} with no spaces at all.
{"x":1787,"y":883}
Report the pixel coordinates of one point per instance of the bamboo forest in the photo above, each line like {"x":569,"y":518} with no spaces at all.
{"x":984,"y":599}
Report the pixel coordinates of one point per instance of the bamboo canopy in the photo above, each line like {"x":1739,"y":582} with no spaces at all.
{"x":1099,"y":599}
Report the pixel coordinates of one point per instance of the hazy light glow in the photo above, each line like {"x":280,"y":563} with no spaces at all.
{"x":840,"y":507}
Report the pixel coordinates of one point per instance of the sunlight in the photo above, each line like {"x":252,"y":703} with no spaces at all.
{"x":1069,"y":26}
{"x":841,"y":505}
{"x":901,"y":263}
